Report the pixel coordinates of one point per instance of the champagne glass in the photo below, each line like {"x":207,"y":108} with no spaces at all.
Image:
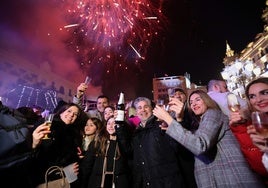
{"x":87,"y":80}
{"x":260,"y":121}
{"x":233,"y":103}
{"x":48,"y":121}
{"x":160,"y":102}
{"x":171,"y":93}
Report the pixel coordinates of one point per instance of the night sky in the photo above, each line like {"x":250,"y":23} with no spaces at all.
{"x":193,"y":41}
{"x":197,"y":43}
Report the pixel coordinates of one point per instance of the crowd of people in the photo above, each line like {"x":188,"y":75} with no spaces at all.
{"x":197,"y":142}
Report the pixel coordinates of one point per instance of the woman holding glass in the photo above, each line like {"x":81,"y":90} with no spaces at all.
{"x":61,"y":146}
{"x":257,"y":99}
{"x":257,"y":95}
{"x":218,"y":158}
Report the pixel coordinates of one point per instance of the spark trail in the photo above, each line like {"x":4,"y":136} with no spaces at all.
{"x":110,"y":31}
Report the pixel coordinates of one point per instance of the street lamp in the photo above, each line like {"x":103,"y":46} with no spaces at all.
{"x":238,"y":74}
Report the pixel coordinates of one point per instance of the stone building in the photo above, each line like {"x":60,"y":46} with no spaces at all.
{"x":251,"y":62}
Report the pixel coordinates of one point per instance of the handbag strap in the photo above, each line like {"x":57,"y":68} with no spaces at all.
{"x":104,"y":168}
{"x":104,"y":164}
{"x":52,"y":169}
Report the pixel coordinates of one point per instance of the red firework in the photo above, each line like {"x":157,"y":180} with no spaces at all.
{"x":109,"y":31}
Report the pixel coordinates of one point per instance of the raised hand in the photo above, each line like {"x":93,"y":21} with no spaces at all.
{"x":81,"y":90}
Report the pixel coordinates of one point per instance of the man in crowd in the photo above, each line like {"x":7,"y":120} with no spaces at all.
{"x":156,"y":158}
{"x":102,"y":102}
{"x":218,"y":91}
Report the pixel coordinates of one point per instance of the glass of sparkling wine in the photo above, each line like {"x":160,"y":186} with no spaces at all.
{"x":171,"y":93}
{"x":233,"y":103}
{"x":160,"y":102}
{"x":87,"y":80}
{"x":260,"y":121}
{"x":48,"y":121}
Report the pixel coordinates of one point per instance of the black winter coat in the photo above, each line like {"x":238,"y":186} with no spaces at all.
{"x":60,"y":150}
{"x":91,"y":168}
{"x":154,"y":155}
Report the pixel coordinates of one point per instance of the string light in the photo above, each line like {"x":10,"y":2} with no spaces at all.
{"x":28,"y":96}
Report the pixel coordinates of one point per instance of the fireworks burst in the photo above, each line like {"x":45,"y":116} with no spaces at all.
{"x":113,"y":31}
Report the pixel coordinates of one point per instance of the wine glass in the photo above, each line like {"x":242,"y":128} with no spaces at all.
{"x":233,"y":103}
{"x":87,"y":80}
{"x":171,"y":93}
{"x":160,"y":102}
{"x":48,"y":121}
{"x":260,"y":122}
{"x":85,"y":104}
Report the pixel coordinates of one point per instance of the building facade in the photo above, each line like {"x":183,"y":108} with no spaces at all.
{"x":250,"y":63}
{"x":162,"y":84}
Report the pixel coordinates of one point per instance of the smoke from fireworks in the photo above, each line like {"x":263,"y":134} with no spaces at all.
{"x":106,"y":40}
{"x":112,"y":31}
